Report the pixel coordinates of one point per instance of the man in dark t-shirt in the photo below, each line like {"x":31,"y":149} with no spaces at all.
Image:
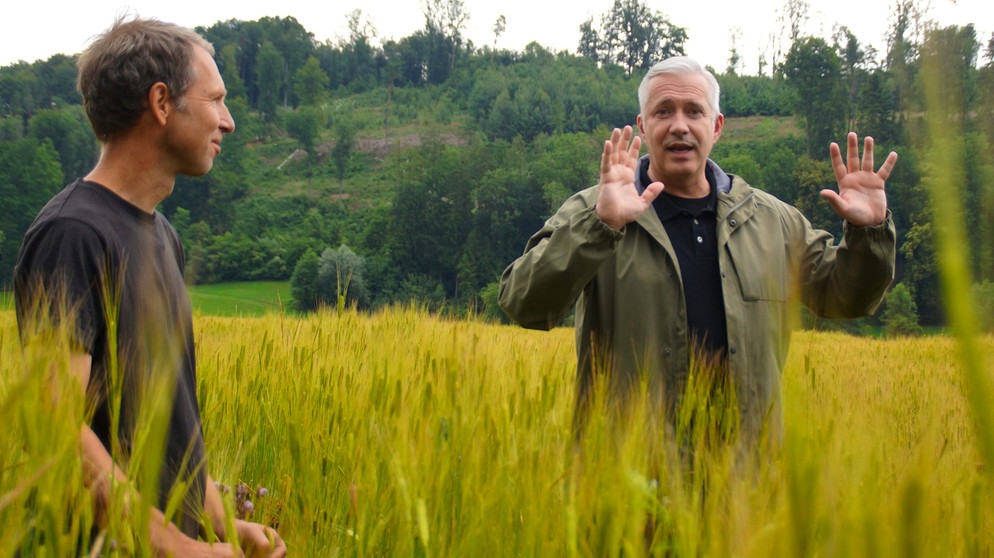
{"x":107,"y":255}
{"x":102,"y":263}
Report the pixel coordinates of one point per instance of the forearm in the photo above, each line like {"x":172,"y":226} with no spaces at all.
{"x":101,"y":473}
{"x":855,"y":277}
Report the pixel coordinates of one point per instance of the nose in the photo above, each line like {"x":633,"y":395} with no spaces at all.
{"x":227,"y":124}
{"x":679,"y":123}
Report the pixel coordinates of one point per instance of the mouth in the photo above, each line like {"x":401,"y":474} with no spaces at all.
{"x":680,"y":147}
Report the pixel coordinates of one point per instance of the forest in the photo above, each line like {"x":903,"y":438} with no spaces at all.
{"x":372,"y":172}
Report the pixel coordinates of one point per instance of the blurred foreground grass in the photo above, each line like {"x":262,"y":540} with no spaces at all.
{"x":401,"y":433}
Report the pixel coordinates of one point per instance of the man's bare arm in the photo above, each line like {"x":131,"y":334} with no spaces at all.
{"x":99,"y":469}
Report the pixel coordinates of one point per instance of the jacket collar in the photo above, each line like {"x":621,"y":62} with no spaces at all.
{"x":649,"y":220}
{"x":734,"y":204}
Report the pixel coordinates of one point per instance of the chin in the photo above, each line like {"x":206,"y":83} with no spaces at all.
{"x":198,"y":171}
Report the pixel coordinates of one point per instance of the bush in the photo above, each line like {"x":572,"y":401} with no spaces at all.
{"x":303,"y":283}
{"x":901,"y":313}
{"x":491,"y":309}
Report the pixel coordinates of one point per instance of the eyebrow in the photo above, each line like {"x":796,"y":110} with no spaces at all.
{"x":671,"y":101}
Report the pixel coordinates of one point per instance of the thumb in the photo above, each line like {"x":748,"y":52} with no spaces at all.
{"x":839,"y":205}
{"x":652,"y":191}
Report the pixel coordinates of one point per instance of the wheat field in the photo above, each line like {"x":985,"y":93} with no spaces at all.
{"x":401,"y":433}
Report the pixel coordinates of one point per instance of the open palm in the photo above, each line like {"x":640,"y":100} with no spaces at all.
{"x":861,"y":199}
{"x":618,"y":202}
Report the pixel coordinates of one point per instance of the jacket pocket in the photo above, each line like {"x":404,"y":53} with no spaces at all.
{"x":759,"y":259}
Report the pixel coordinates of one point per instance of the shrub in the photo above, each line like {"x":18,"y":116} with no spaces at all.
{"x":901,"y":313}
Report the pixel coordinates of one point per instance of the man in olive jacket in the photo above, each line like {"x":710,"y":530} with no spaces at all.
{"x":713,"y":266}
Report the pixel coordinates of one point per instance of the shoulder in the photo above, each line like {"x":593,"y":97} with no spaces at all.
{"x":742,"y":190}
{"x":70,"y":232}
{"x":72,"y":216}
{"x":80,"y":201}
{"x":63,"y":244}
{"x":55,"y":230}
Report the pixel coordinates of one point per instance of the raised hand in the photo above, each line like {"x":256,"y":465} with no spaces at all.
{"x":618,"y":203}
{"x":861,"y":199}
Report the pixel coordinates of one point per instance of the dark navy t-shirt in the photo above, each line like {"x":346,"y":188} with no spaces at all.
{"x":104,"y":261}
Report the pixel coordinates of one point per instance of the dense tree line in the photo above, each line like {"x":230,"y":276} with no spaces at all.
{"x":417,"y":168}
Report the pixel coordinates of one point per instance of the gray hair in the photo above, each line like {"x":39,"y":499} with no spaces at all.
{"x":681,"y":65}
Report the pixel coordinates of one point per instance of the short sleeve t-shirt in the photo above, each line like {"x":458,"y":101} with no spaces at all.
{"x":96,"y":258}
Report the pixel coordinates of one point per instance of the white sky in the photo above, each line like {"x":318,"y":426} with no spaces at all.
{"x":30,"y":32}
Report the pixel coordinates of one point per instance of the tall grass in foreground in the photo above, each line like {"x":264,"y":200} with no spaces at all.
{"x":945,"y":174}
{"x":402,"y":434}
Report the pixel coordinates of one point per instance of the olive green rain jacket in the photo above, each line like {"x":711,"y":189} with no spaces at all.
{"x":629,"y":297}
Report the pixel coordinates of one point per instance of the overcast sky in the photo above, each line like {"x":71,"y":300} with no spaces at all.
{"x":29,"y":31}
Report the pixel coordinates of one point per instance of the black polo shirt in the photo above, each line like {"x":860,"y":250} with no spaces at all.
{"x":691,"y":225}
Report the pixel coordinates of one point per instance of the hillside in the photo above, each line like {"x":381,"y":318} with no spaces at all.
{"x":374,"y":148}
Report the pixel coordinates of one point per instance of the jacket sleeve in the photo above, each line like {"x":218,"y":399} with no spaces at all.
{"x":539,"y":288}
{"x":847,"y":280}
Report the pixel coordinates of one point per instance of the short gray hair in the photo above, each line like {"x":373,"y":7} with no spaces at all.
{"x":681,"y":65}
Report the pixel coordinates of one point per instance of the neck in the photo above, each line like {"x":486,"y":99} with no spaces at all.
{"x":692,"y":187}
{"x":131,"y":176}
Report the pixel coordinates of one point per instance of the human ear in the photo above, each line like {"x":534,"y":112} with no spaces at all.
{"x":159,"y":102}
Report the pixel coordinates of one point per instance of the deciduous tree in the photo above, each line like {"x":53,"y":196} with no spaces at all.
{"x":812,"y":67}
{"x":269,"y":78}
{"x":635,"y":36}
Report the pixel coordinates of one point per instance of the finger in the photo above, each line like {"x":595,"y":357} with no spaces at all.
{"x":626,"y":135}
{"x":621,"y":149}
{"x":852,"y":152}
{"x":868,"y":154}
{"x":633,"y":150}
{"x":884,"y":172}
{"x":837,"y":165}
{"x":652,"y":192}
{"x":607,"y":157}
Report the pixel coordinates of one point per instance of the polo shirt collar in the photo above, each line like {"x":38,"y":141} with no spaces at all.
{"x":665,"y":208}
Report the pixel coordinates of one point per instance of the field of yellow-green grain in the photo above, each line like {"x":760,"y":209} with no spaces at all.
{"x":405,"y":434}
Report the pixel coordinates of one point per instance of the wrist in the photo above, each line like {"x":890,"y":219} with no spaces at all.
{"x":613,"y":224}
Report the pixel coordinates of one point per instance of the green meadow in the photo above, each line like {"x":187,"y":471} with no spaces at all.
{"x":401,"y":433}
{"x":252,"y":298}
